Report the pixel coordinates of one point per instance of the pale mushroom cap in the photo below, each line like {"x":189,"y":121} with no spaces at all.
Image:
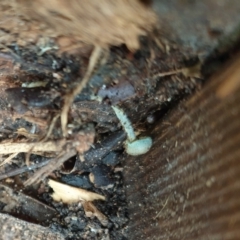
{"x":138,"y":147}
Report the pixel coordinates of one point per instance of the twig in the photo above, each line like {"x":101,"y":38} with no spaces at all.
{"x":53,"y":122}
{"x":53,"y":165}
{"x":70,"y":97}
{"x":50,"y":146}
{"x":35,"y":120}
{"x":9,"y":50}
{"x":8,"y":159}
{"x":23,"y":169}
{"x":94,"y":155}
{"x":167,"y":73}
{"x":164,"y":205}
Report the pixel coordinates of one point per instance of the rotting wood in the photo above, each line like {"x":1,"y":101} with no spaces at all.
{"x":188,"y":185}
{"x":80,"y":144}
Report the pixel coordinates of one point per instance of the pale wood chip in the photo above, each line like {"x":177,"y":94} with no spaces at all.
{"x":68,"y":194}
{"x":50,"y":146}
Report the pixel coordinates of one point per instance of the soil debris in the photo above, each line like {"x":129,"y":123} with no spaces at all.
{"x":36,"y":80}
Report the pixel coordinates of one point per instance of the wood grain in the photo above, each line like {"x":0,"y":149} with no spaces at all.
{"x":188,"y":185}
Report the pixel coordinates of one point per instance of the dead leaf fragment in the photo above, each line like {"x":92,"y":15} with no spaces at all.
{"x":90,"y":210}
{"x":68,"y":194}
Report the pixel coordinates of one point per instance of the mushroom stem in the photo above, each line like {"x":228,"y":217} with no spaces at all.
{"x":133,"y":146}
{"x":125,"y":122}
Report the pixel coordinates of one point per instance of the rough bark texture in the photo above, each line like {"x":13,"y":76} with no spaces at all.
{"x":188,"y":185}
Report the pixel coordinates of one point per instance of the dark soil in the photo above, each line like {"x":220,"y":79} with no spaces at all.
{"x":126,"y":80}
{"x":38,"y":67}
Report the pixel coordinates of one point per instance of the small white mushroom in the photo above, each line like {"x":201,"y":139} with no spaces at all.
{"x":133,"y":146}
{"x":138,"y":147}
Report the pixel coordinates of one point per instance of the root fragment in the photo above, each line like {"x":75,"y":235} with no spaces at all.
{"x":8,"y":159}
{"x":90,"y":210}
{"x":70,"y":97}
{"x":24,"y":169}
{"x":50,"y":167}
{"x":50,"y":146}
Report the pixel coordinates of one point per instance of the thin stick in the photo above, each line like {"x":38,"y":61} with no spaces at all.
{"x":167,"y":73}
{"x":164,"y":205}
{"x":53,"y":165}
{"x":8,"y":159}
{"x":10,"y":50}
{"x":70,"y":98}
{"x":23,"y":169}
{"x":50,"y":146}
{"x":53,"y":122}
{"x":52,"y":125}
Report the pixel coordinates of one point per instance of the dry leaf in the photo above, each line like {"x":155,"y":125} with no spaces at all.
{"x":69,"y":194}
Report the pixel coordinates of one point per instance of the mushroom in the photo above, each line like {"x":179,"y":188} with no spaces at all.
{"x":133,"y":146}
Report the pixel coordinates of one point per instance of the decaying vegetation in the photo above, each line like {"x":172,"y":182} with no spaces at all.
{"x":63,"y":65}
